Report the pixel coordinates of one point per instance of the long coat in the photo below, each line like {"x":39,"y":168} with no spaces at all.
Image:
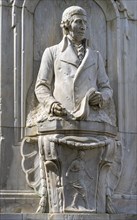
{"x":62,"y":79}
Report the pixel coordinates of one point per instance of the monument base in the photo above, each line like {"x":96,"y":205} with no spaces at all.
{"x":67,"y":217}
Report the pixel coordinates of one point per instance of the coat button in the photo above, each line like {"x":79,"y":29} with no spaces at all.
{"x":66,"y":73}
{"x":77,"y":62}
{"x":76,"y":98}
{"x":76,"y":88}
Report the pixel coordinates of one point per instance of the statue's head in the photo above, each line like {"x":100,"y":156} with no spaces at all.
{"x":74,"y":19}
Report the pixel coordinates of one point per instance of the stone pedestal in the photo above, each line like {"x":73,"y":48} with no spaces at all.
{"x":75,"y":160}
{"x":71,"y":216}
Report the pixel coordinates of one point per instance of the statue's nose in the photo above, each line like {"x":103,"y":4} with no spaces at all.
{"x":82,"y":28}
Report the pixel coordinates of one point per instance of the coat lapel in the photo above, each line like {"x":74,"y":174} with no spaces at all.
{"x":69,"y":56}
{"x":87,"y":62}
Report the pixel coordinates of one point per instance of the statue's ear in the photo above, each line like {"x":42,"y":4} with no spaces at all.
{"x":64,"y":43}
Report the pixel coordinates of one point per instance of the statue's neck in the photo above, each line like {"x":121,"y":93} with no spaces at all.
{"x":74,"y":41}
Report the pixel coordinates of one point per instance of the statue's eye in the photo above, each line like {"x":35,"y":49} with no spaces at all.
{"x":78,"y":20}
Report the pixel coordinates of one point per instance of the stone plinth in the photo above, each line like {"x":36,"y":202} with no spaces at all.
{"x":67,"y":217}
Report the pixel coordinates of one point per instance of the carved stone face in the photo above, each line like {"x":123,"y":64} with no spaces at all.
{"x":78,"y":27}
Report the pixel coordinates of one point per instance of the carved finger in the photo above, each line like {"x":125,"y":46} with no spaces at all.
{"x":58,"y":107}
{"x":59,"y":113}
{"x":95,"y":101}
{"x":92,"y":95}
{"x":95,"y":98}
{"x":56,"y":111}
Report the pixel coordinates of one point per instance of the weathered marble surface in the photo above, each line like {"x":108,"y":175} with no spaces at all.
{"x":18,"y":69}
{"x":78,"y":164}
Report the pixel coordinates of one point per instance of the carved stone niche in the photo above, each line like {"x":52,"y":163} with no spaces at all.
{"x":73,"y":165}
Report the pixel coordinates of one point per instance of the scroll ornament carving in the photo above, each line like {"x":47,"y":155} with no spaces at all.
{"x":123,"y":8}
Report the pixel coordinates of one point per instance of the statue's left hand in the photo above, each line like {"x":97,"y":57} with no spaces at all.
{"x":96,"y":99}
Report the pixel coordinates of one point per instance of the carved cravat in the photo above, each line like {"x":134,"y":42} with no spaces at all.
{"x":78,"y":48}
{"x":80,"y":51}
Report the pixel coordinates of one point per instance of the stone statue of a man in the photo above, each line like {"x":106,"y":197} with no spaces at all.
{"x":73,"y":118}
{"x":72,"y":78}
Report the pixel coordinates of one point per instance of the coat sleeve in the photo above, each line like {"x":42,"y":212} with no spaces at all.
{"x":45,"y":81}
{"x":103,"y":81}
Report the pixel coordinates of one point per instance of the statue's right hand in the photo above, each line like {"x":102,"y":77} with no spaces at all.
{"x":58,"y":110}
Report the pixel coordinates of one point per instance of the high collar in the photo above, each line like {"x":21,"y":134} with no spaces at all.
{"x":83,"y":42}
{"x":66,"y":41}
{"x":68,"y":55}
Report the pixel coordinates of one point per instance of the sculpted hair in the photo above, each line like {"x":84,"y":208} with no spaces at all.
{"x":67,"y":17}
